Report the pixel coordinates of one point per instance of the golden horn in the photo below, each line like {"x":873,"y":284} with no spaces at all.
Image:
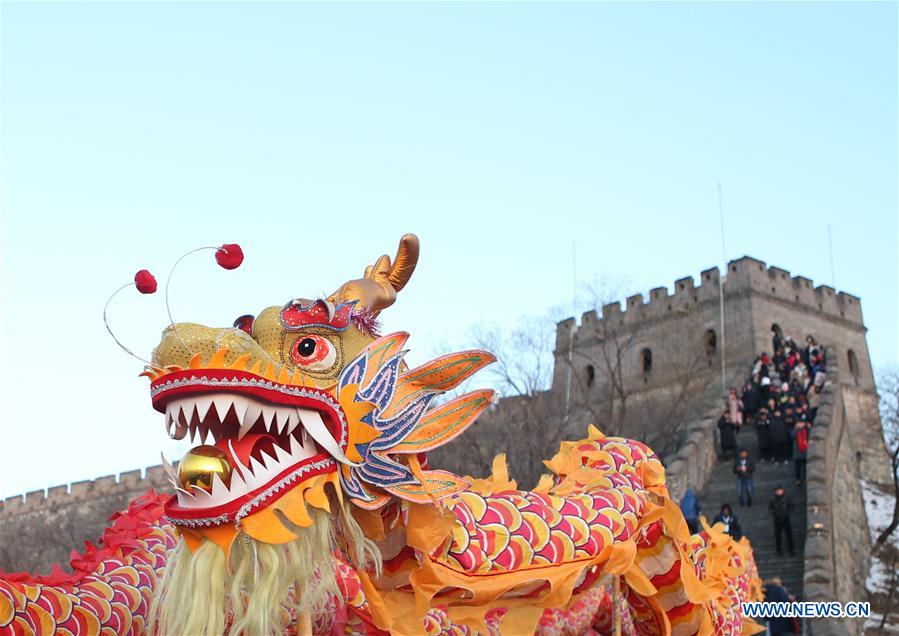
{"x":377,"y":289}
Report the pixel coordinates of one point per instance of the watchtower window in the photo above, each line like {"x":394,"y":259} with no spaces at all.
{"x":591,"y":374}
{"x":646,"y":361}
{"x":853,"y":364}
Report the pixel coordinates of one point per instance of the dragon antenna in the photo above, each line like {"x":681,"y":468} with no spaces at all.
{"x":146,"y":284}
{"x":228,"y":256}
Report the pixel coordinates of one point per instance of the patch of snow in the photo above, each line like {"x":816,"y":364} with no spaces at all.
{"x":879,"y":511}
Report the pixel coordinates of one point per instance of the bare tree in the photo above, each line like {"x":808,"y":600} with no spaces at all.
{"x":889,"y":416}
{"x":597,"y":382}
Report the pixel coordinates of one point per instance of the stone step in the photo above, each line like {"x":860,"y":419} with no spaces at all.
{"x":756,"y":521}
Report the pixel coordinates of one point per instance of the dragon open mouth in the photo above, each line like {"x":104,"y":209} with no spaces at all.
{"x":264,"y":437}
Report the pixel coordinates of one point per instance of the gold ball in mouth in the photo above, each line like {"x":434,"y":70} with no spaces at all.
{"x":200,"y":466}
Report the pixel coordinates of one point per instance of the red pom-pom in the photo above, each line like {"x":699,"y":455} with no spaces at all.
{"x":229,"y":256}
{"x":145,"y":282}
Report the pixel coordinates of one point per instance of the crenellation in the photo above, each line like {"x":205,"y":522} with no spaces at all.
{"x":745,"y":274}
{"x":684,"y":284}
{"x":81,"y":488}
{"x":105,"y":483}
{"x":129,"y":481}
{"x":709,"y":287}
{"x":610,"y":310}
{"x":156,"y":474}
{"x":57,"y":492}
{"x":130,"y":478}
{"x":850,"y":307}
{"x":12,"y":504}
{"x":634,"y":307}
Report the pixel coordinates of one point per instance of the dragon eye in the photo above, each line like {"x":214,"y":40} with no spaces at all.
{"x":306,"y":347}
{"x":314,"y":352}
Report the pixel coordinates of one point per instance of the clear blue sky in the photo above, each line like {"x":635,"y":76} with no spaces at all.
{"x":315,"y":135}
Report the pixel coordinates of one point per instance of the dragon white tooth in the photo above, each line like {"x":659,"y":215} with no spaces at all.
{"x":254,"y":410}
{"x":222,"y":406}
{"x":167,"y":466}
{"x":293,"y":423}
{"x":289,"y":417}
{"x":199,"y":492}
{"x":219,"y":489}
{"x":296,"y":449}
{"x":172,"y":481}
{"x":237,"y":483}
{"x":182,"y":494}
{"x":192,"y":429}
{"x":237,"y":463}
{"x":283,"y":455}
{"x":240,"y":407}
{"x":312,"y":422}
{"x":269,"y":461}
{"x":268,"y":416}
{"x":244,"y":429}
{"x":180,"y":431}
{"x":256,"y":468}
{"x":202,"y":404}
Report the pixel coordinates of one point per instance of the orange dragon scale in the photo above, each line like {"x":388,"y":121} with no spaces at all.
{"x":308,"y":504}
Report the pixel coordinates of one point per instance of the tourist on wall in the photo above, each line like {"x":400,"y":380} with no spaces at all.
{"x":729,"y":519}
{"x":800,"y":435}
{"x":776,"y":592}
{"x":690,"y":508}
{"x":780,"y":440}
{"x":763,"y":432}
{"x":781,"y":507}
{"x":814,"y":398}
{"x":735,"y":409}
{"x":743,"y":469}
{"x":728,"y":436}
{"x":751,"y":397}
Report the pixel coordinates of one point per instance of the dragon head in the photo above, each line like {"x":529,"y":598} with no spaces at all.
{"x":304,"y":417}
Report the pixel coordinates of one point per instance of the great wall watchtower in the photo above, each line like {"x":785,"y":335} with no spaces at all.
{"x":659,"y":340}
{"x":670,"y":328}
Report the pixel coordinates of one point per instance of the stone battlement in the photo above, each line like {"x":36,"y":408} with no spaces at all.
{"x":36,"y":500}
{"x":745,"y":275}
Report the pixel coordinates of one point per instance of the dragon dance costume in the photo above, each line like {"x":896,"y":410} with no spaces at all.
{"x":309,"y":507}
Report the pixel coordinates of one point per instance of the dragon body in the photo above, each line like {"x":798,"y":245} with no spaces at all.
{"x":313,"y":508}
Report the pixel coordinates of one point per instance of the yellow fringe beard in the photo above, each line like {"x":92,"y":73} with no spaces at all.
{"x":263,"y":587}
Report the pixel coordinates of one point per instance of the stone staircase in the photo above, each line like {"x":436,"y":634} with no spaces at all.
{"x":756,"y":521}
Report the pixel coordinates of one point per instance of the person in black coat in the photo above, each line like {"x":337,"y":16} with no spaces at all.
{"x":751,"y":396}
{"x":781,"y":507}
{"x":728,"y":436}
{"x":729,"y":519}
{"x":743,"y":469}
{"x":763,"y":431}
{"x":775,"y":592}
{"x":780,"y":439}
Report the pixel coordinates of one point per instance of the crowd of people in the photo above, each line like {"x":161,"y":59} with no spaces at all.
{"x":779,"y":401}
